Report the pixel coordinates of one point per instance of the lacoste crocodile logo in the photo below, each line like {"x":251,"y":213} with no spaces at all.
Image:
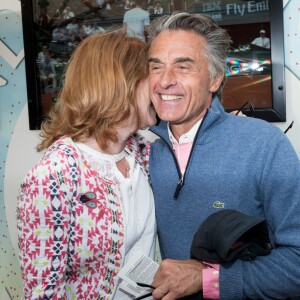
{"x":218,"y":204}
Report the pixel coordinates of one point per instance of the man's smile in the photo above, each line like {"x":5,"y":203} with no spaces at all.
{"x":170,"y":97}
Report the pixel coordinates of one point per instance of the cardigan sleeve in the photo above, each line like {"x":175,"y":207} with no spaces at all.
{"x":43,"y":220}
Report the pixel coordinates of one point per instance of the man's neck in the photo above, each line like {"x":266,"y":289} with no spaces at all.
{"x":179,"y":129}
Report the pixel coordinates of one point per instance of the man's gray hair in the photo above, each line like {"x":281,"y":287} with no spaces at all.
{"x":217,"y":39}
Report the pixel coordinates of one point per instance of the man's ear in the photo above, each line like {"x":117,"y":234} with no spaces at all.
{"x":216,"y":82}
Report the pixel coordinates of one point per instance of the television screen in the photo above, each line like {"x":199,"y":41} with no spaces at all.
{"x":255,"y":67}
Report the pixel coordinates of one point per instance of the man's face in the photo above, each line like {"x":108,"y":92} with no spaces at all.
{"x":180,"y":84}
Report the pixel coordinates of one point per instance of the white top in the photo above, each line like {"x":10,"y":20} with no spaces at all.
{"x":93,"y":30}
{"x":136,"y":19}
{"x":138,"y":202}
{"x":73,"y":27}
{"x":158,"y":10}
{"x":262,"y":42}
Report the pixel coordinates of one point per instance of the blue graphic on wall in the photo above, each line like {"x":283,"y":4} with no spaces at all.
{"x":12,"y":101}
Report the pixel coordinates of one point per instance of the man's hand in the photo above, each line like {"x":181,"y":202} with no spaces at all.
{"x":177,"y":278}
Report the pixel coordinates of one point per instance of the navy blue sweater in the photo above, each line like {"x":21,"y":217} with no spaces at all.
{"x":240,"y":163}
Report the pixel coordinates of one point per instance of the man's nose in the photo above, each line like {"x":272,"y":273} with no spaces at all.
{"x":168,"y":78}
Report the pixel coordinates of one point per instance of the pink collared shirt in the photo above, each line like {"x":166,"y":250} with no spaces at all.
{"x":182,"y":149}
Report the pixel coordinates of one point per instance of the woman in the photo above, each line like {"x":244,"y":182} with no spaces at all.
{"x":87,"y":206}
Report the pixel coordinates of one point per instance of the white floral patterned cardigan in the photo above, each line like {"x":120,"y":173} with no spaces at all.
{"x":71,"y":250}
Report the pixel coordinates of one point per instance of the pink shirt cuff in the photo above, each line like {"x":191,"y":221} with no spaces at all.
{"x":210,"y":282}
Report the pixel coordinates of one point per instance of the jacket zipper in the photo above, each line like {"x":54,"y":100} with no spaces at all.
{"x":180,"y":183}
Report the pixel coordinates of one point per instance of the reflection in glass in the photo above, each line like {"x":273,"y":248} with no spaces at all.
{"x":59,"y":26}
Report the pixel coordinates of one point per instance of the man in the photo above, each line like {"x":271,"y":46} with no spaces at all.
{"x":158,"y":10}
{"x":207,"y":160}
{"x":42,"y":54}
{"x":47,"y":72}
{"x":262,"y":41}
{"x":68,"y":14}
{"x":136,"y":21}
{"x":95,"y":28}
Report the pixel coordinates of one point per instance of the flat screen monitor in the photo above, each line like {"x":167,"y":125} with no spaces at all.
{"x":255,"y":65}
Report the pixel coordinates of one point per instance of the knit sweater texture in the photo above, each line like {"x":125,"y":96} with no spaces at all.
{"x":239,"y":163}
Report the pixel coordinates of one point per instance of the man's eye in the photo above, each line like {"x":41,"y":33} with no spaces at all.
{"x":155,"y":68}
{"x":183,"y":67}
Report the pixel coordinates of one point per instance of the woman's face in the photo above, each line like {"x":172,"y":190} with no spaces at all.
{"x":145,"y":107}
